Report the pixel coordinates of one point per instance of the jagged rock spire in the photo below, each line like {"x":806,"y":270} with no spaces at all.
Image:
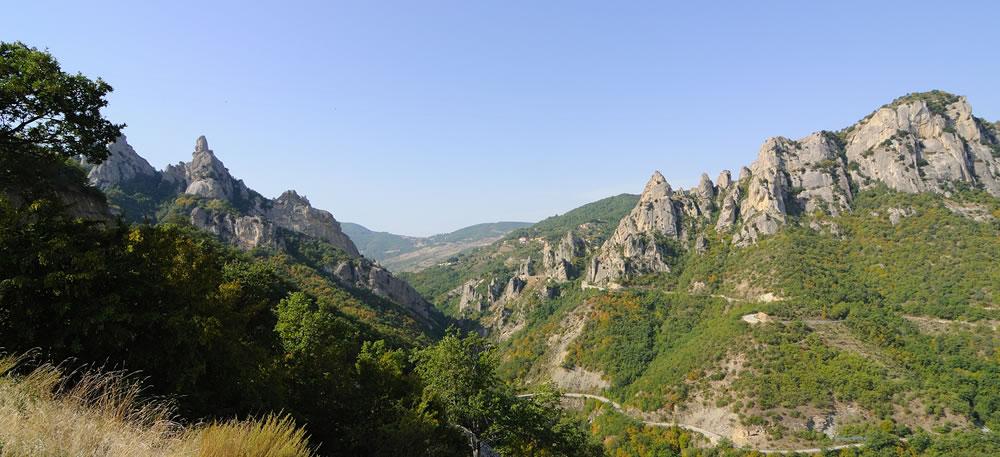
{"x":724,"y":180}
{"x":632,"y":248}
{"x":201,"y":145}
{"x":656,"y":188}
{"x":705,"y":193}
{"x":122,"y":165}
{"x":207,"y":176}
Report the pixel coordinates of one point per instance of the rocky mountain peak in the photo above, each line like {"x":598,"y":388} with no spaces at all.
{"x":920,"y":142}
{"x":724,"y":180}
{"x":207,"y":176}
{"x":293,"y":212}
{"x":924,"y":142}
{"x":293,"y":197}
{"x":632,"y":248}
{"x":253,"y":221}
{"x":656,"y":188}
{"x":122,"y":165}
{"x":201,"y":145}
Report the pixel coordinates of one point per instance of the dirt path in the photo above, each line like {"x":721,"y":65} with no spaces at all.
{"x":713,"y":437}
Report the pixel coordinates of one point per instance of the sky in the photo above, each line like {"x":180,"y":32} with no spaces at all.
{"x":421,"y":117}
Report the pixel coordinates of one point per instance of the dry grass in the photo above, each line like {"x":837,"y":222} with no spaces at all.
{"x":103,"y":414}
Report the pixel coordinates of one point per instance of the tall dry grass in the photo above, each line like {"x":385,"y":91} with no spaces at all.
{"x":103,"y":414}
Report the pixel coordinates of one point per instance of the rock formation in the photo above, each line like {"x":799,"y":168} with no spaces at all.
{"x":633,"y":248}
{"x":911,"y":147}
{"x":364,"y":274}
{"x":248,"y":220}
{"x":920,"y":142}
{"x":123,"y":164}
{"x":293,"y":212}
{"x":558,"y":261}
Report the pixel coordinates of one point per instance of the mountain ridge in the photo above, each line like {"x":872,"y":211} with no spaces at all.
{"x":837,"y":259}
{"x":407,"y":253}
{"x":204,"y":194}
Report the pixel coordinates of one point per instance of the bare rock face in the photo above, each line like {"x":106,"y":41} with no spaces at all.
{"x":558,"y":260}
{"x":632,"y":249}
{"x":470,"y":298}
{"x":724,"y":180}
{"x":729,"y":211}
{"x":911,"y":147}
{"x":792,"y":177}
{"x":206,"y":175}
{"x":364,"y":274}
{"x":514,"y":288}
{"x":293,"y":212}
{"x":527,"y":267}
{"x":704,"y":194}
{"x":245,"y":232}
{"x":122,"y":165}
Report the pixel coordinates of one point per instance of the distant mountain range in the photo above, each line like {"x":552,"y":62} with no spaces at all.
{"x":408,"y":253}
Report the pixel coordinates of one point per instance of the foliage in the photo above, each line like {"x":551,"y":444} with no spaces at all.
{"x":604,"y":213}
{"x":791,"y":366}
{"x":45,"y":110}
{"x":937,"y":101}
{"x":460,"y":374}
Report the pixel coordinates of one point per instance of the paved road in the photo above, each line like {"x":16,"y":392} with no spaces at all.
{"x":712,"y":436}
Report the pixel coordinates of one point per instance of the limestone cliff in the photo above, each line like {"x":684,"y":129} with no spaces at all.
{"x":928,"y":142}
{"x":220,"y":204}
{"x":633,"y":248}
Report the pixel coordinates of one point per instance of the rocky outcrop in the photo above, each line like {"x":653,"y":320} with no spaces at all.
{"x":254,"y":219}
{"x":470,"y":300}
{"x":248,"y":220}
{"x":245,"y":232}
{"x":293,"y":212}
{"x":704,"y":195}
{"x":924,"y":142}
{"x":514,"y":288}
{"x":206,"y":176}
{"x":364,"y":274}
{"x":558,"y":260}
{"x":633,"y":248}
{"x":792,"y":177}
{"x":921,"y":142}
{"x":122,"y":165}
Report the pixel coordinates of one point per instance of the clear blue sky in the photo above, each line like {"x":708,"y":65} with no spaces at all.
{"x":424,"y":116}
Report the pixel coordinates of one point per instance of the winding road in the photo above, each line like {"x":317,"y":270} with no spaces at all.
{"x":712,"y":436}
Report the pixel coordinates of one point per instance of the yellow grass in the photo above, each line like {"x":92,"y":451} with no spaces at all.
{"x":102,"y":414}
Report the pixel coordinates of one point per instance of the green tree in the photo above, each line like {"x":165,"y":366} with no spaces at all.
{"x":46,"y":110}
{"x":459,"y":373}
{"x":47,"y":117}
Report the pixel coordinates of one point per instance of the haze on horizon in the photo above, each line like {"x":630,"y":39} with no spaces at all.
{"x":421,"y":118}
